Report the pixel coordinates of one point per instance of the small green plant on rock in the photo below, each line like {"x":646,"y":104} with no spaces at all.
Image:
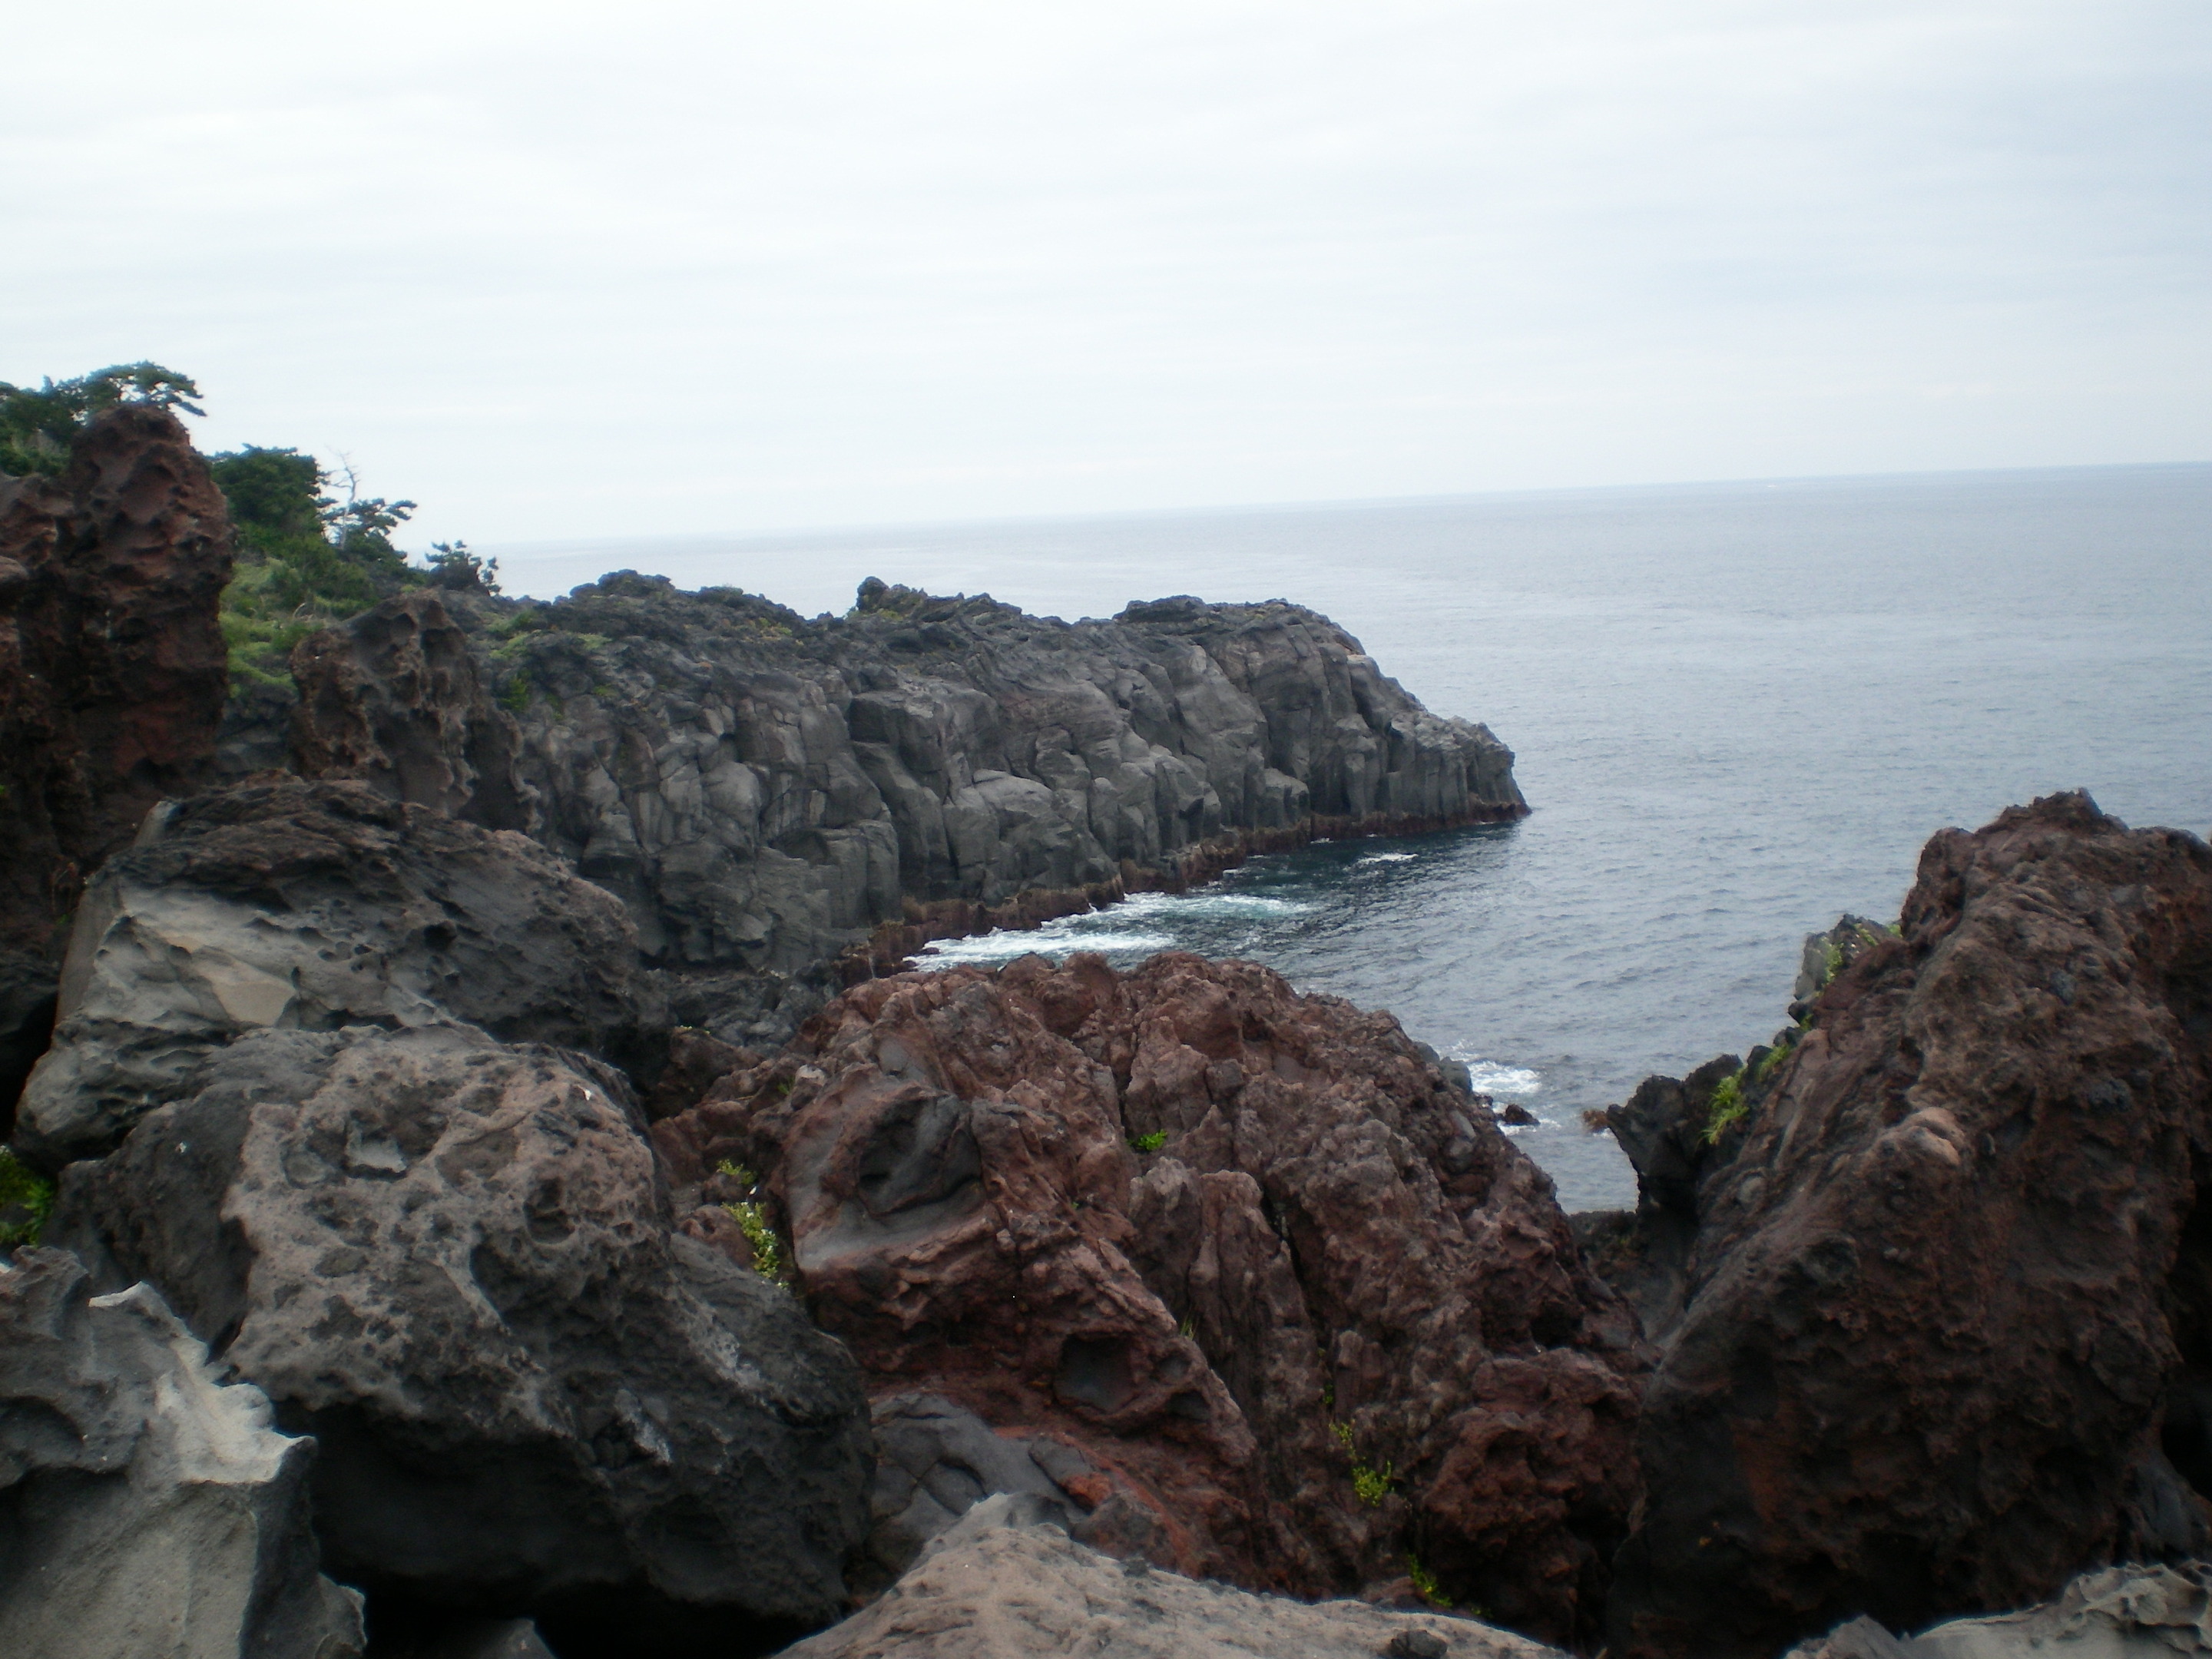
{"x":769,"y":1261}
{"x":1729,"y":1108}
{"x":1425,"y":1582}
{"x":1151,"y":1143}
{"x":1370,"y":1482}
{"x":27,"y":1198}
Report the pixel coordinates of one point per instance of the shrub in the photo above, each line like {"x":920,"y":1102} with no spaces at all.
{"x":1151,"y":1143}
{"x":27,"y":1198}
{"x":1729,"y":1108}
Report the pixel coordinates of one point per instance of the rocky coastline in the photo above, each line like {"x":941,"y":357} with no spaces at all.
{"x":485,"y":1180}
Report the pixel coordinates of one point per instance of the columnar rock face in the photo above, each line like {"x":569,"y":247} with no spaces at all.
{"x":762,"y":790}
{"x":314,"y":906}
{"x":1948,"y":1332}
{"x":146,"y":1506}
{"x":1303,"y":1310}
{"x":451,"y":1261}
{"x":112,"y":666}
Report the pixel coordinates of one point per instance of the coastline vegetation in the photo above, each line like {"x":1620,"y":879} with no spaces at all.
{"x":27,"y":1198}
{"x":304,"y":558}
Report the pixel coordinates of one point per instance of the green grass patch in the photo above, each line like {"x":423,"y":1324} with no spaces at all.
{"x":1728,"y":1108}
{"x":1425,"y":1582}
{"x":1151,"y":1143}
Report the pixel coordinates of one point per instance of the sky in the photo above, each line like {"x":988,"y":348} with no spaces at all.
{"x":578,"y":270}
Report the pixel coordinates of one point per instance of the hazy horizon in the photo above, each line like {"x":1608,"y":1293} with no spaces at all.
{"x":684,"y":268}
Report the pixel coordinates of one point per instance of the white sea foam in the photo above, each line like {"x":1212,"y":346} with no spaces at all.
{"x":1494,"y":1077}
{"x":1004,"y":943}
{"x":1388,"y":858}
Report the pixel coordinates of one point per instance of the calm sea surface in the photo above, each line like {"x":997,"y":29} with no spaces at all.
{"x":1739,"y":710}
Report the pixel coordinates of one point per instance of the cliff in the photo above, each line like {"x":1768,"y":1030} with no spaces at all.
{"x":767,"y":793}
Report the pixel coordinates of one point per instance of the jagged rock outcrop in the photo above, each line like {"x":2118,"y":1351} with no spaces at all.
{"x":393,"y":698}
{"x":146,"y":1506}
{"x":113,"y":665}
{"x":1301,"y":1309}
{"x":314,"y":906}
{"x":1002,"y":1586}
{"x":450,"y":1261}
{"x":762,"y":791}
{"x":1947,"y":1338}
{"x":2116,"y":1612}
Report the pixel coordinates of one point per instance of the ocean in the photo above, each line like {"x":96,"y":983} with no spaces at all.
{"x":1739,"y":710}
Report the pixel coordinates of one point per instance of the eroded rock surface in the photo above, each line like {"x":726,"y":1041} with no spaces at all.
{"x":147,"y":1507}
{"x":1948,"y":1331}
{"x":451,"y":1260}
{"x":112,"y":666}
{"x":991,"y":1589}
{"x":1328,"y":1315}
{"x":312,"y":906}
{"x":763,"y":791}
{"x":2115,"y":1613}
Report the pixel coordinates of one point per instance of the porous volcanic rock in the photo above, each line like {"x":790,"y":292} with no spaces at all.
{"x":146,"y":1506}
{"x":112,"y":664}
{"x":314,"y":906}
{"x":393,"y":698}
{"x":1948,"y":1338}
{"x":994,"y":1588}
{"x":765,"y":792}
{"x":1327,"y":1316}
{"x":450,"y":1261}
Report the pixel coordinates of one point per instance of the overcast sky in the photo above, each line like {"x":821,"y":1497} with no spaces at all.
{"x":561,"y":270}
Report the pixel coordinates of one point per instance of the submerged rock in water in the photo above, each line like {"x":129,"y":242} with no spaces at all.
{"x":293,"y":905}
{"x":453,"y":1262}
{"x":999,"y":1585}
{"x":146,"y":1506}
{"x":1947,"y":1338}
{"x":1254,"y":1254}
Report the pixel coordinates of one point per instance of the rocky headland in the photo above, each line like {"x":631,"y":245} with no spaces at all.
{"x":500,"y":1189}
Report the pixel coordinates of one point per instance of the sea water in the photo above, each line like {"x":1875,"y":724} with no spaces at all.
{"x":1739,"y":710}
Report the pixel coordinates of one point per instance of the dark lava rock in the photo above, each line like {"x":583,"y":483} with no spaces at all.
{"x":392,"y":698}
{"x":1949,"y":1324}
{"x":112,"y":664}
{"x":450,"y":1261}
{"x":1251,"y":1252}
{"x":765,"y":792}
{"x":314,"y":906}
{"x":146,"y":1506}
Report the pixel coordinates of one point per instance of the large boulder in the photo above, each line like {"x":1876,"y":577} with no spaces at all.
{"x":1301,"y":1306}
{"x":303,"y":906}
{"x":112,"y":664}
{"x":451,"y":1261}
{"x":2114,"y":1613}
{"x":147,"y":1507}
{"x":1948,"y":1335}
{"x":1001,"y":1585}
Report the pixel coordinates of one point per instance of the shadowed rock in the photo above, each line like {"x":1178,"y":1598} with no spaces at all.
{"x":451,"y":1261}
{"x":146,"y":1506}
{"x":112,"y":664}
{"x":1948,"y":1332}
{"x":312,"y":906}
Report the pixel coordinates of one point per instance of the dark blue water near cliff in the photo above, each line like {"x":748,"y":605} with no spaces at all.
{"x":1739,"y":710}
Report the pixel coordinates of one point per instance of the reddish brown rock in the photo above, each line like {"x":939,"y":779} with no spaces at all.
{"x":112,"y":667}
{"x":1329,"y":1264}
{"x":392,"y":697}
{"x":1949,"y":1334}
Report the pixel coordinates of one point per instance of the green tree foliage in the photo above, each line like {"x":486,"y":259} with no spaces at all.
{"x":36,"y":427}
{"x":305,"y":559}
